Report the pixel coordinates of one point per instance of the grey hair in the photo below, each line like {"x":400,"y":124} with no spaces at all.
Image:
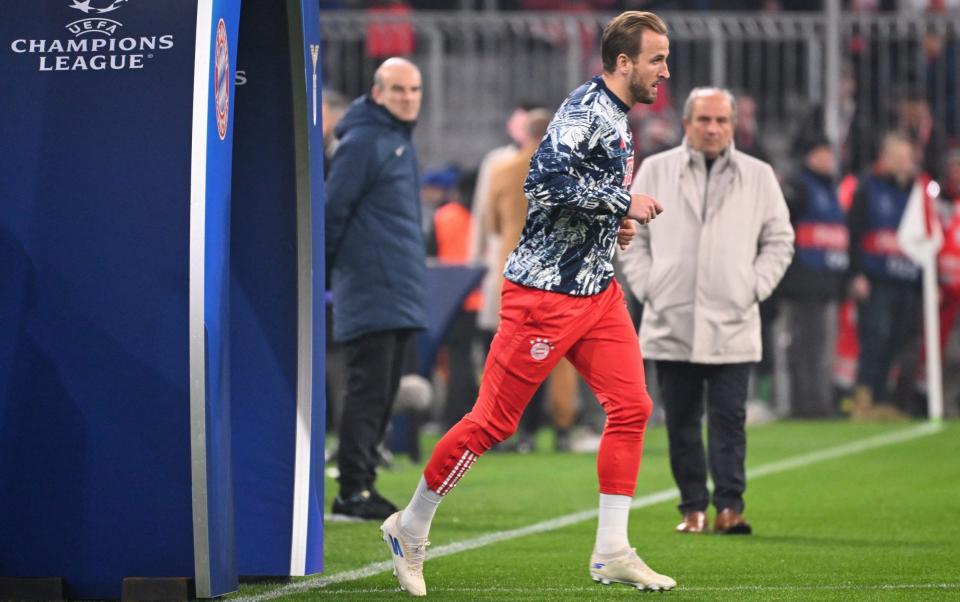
{"x":708,"y":91}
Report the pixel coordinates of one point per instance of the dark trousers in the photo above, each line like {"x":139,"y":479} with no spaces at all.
{"x":812,"y":324}
{"x":888,"y":323}
{"x":682,"y":386}
{"x":462,"y":385}
{"x":374,"y":364}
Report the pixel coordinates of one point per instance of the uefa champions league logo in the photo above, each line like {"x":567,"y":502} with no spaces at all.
{"x":95,"y":10}
{"x":95,"y":24}
{"x":98,"y":43}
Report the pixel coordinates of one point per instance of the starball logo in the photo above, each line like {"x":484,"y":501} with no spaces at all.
{"x":98,"y":43}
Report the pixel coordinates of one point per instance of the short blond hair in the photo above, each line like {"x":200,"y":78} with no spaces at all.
{"x":623,"y":35}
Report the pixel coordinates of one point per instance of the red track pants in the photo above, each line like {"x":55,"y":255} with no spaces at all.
{"x":537,"y":328}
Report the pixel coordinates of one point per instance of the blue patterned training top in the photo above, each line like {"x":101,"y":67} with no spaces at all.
{"x":577,"y":190}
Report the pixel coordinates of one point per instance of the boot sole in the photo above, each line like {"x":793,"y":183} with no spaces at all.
{"x":640,"y":586}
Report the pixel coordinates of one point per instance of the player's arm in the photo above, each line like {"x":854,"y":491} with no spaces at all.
{"x":345,"y":186}
{"x":571,"y":139}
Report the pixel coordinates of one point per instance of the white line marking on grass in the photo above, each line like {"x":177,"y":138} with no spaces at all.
{"x":845,"y":450}
{"x":628,"y":591}
{"x":666,"y":495}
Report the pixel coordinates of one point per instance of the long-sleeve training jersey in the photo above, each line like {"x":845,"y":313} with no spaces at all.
{"x":577,"y":190}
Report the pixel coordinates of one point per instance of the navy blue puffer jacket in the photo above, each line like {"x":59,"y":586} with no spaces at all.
{"x":374,"y":241}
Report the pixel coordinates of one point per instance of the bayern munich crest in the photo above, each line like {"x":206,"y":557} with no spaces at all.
{"x":221,"y":81}
{"x":540,"y":349}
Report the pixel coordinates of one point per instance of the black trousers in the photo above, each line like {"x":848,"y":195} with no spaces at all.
{"x":682,"y":386}
{"x":374,"y":364}
{"x":462,"y":385}
{"x":812,"y":323}
{"x":888,"y":324}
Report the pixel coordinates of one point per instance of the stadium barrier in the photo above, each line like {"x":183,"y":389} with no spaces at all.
{"x":478,"y":65}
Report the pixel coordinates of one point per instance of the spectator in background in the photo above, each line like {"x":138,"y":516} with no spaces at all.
{"x":940,"y":78}
{"x":746,"y":134}
{"x":485,"y":246}
{"x":813,"y":284}
{"x":332,"y":106}
{"x":915,"y":123}
{"x":448,"y":240}
{"x":659,"y":132}
{"x":444,"y":215}
{"x":721,"y":246}
{"x":884,"y":283}
{"x":948,"y":261}
{"x":376,"y":257}
{"x":851,"y":126}
{"x":655,"y":127}
{"x":506,"y":214}
{"x":392,"y":35}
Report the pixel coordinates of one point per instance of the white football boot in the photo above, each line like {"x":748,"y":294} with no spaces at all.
{"x":628,"y":568}
{"x":408,"y":556}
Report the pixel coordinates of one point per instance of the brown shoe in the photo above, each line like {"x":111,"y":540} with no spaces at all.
{"x":730,"y":522}
{"x":693,"y":522}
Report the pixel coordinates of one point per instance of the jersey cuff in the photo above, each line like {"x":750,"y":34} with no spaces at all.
{"x":622,"y":203}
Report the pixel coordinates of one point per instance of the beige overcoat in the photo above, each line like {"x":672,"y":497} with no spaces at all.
{"x":701,"y":268}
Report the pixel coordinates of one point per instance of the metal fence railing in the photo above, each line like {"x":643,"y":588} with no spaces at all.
{"x":476,"y":66}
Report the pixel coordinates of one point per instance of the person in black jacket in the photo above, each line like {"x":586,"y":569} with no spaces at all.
{"x":375,"y":255}
{"x":883,"y":281}
{"x":813,"y":285}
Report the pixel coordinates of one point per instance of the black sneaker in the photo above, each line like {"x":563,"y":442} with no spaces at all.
{"x":365,"y":505}
{"x":379,"y":499}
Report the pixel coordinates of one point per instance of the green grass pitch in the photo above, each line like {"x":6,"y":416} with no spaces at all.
{"x":879,"y":524}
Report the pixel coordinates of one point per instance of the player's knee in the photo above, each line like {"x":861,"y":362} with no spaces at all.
{"x":485,"y":436}
{"x":633,"y":413}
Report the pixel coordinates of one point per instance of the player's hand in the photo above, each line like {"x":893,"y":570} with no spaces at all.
{"x":628,"y":229}
{"x":859,"y":287}
{"x":643,"y":208}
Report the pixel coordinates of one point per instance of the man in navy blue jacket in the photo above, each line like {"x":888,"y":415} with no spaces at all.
{"x":376,"y":258}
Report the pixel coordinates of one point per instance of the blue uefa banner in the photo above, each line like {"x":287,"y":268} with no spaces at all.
{"x":114,"y":253}
{"x":276,"y":292}
{"x":210,"y":427}
{"x":313,"y":79}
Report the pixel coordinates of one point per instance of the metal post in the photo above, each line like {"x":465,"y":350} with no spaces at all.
{"x":574,"y":58}
{"x":435,"y":89}
{"x":718,"y":54}
{"x":814,"y":64}
{"x":931,"y":328}
{"x":831,"y":84}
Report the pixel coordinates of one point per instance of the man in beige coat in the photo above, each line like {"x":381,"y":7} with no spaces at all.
{"x":720,"y":247}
